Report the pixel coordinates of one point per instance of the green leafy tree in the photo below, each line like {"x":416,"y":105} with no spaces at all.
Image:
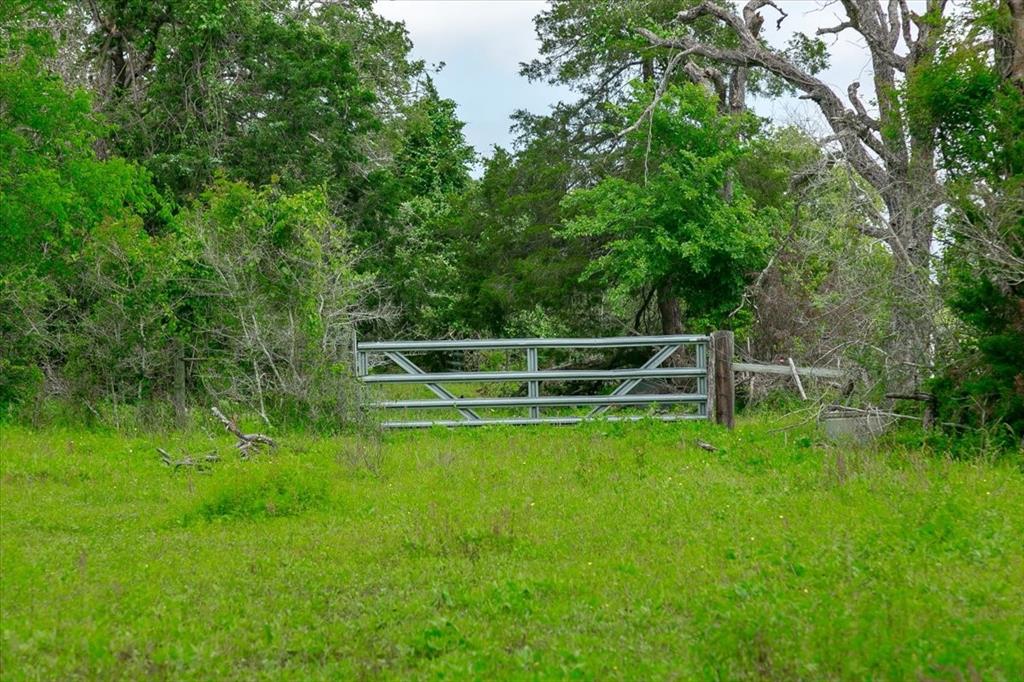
{"x":974,"y":99}
{"x":890,"y":153}
{"x":301,"y":94}
{"x":414,"y":253}
{"x":519,"y":277}
{"x":250,"y":89}
{"x":53,"y":188}
{"x":54,"y":194}
{"x":823,"y":295}
{"x":598,"y":49}
{"x":269,"y":299}
{"x":380,"y":53}
{"x":673,"y":231}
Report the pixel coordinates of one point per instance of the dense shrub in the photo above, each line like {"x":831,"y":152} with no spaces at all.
{"x":272,"y":491}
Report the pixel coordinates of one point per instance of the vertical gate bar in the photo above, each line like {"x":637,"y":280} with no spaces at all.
{"x":360,"y":359}
{"x":702,"y":381}
{"x":532,"y":387}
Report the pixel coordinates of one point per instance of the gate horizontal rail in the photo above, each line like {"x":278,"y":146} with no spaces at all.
{"x":540,"y":375}
{"x":546,"y":401}
{"x":560,"y":421}
{"x":629,"y":378}
{"x":496,"y":344}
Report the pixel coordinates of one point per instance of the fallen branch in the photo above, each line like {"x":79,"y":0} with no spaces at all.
{"x":922,"y":397}
{"x":187,"y":461}
{"x":931,"y":405}
{"x":245,"y":440}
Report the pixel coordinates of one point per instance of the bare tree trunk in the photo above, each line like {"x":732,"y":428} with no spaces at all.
{"x":647,"y":69}
{"x":670,"y":311}
{"x":180,"y":400}
{"x":737,"y":104}
{"x":1009,"y":45}
{"x":911,"y":210}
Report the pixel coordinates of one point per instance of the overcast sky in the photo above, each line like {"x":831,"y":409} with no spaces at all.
{"x":482,"y":42}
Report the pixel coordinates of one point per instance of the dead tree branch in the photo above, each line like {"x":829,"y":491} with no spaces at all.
{"x":246,"y":441}
{"x":187,"y":461}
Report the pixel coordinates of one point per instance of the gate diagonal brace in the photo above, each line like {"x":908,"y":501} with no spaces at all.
{"x":438,"y":390}
{"x":627,"y":386}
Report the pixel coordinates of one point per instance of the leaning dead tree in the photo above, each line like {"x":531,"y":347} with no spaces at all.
{"x":895,"y":158}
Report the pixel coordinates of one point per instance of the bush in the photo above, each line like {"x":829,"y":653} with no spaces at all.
{"x":271,"y":297}
{"x":264,"y":493}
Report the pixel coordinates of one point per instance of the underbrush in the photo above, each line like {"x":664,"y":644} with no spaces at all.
{"x":160,"y":416}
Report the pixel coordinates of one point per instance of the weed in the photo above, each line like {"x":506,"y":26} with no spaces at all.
{"x":271,"y":492}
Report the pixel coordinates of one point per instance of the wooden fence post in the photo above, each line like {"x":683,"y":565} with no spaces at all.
{"x":724,"y":394}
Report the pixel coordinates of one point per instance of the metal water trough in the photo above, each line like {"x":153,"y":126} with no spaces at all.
{"x":843,"y":424}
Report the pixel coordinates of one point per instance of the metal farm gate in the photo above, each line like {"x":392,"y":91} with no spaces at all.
{"x":391,"y":355}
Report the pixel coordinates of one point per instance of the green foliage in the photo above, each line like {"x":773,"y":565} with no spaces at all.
{"x":810,"y":54}
{"x":24,"y":300}
{"x":974,"y":109}
{"x":978,"y":110}
{"x":595,"y":46}
{"x":674,"y":229}
{"x":268,"y":300}
{"x":119,"y":338}
{"x":414,"y":254}
{"x":985,"y":384}
{"x":22,"y":26}
{"x":380,"y":52}
{"x":53,"y":189}
{"x":609,"y":551}
{"x":825,"y":293}
{"x":433,"y":158}
{"x":518,"y":276}
{"x":55,"y":194}
{"x":246,"y":88}
{"x":110,"y":293}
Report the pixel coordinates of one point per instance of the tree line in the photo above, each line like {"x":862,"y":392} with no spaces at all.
{"x":201,"y":200}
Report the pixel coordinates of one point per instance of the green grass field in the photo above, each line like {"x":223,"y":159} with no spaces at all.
{"x":608,"y":551}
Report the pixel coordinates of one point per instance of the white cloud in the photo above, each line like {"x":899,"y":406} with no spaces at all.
{"x":482,"y":43}
{"x":498,"y":30}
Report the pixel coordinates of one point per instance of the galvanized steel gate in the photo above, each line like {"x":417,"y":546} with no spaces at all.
{"x":533,"y":376}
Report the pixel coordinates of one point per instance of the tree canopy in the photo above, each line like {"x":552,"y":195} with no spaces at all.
{"x":203,"y":200}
